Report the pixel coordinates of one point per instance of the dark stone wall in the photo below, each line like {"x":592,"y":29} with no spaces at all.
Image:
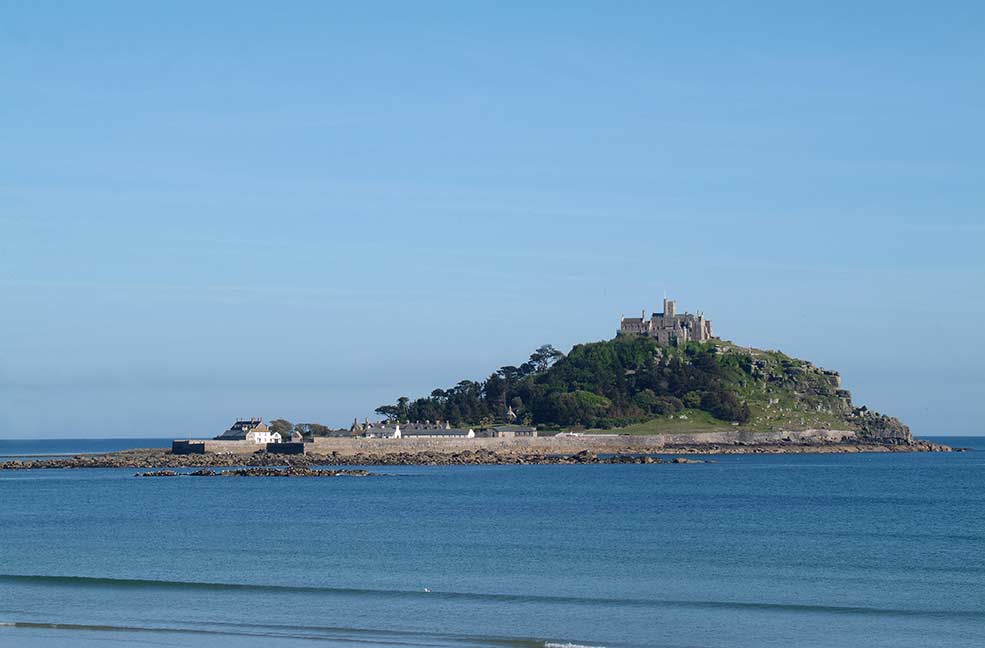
{"x":187,"y":447}
{"x":286,"y":448}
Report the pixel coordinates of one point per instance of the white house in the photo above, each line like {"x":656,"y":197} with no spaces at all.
{"x":424,"y":430}
{"x":253,"y":429}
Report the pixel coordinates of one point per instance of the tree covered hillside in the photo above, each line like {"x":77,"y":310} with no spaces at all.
{"x":631,"y":380}
{"x":602,"y":384}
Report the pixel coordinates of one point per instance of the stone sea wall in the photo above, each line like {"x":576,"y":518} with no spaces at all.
{"x":210,"y":446}
{"x":563,"y":444}
{"x":563,"y":450}
{"x":570,"y":444}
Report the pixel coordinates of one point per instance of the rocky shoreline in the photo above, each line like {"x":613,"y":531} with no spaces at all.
{"x":152,"y":458}
{"x":291,"y":471}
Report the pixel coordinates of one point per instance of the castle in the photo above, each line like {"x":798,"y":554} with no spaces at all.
{"x":668,"y":327}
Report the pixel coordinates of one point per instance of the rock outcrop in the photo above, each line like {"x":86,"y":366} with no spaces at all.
{"x":879,"y":427}
{"x":290,"y":471}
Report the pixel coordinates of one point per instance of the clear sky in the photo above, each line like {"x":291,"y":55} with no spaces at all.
{"x":307,"y":209}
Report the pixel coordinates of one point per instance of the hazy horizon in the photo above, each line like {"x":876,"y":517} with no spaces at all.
{"x":307,"y":211}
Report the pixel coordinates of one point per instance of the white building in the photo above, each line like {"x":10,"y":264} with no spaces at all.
{"x":417,"y":431}
{"x":253,"y":429}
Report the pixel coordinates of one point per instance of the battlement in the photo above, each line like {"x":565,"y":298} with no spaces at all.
{"x":668,"y":327}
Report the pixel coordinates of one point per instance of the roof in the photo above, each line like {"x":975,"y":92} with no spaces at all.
{"x":247,"y":424}
{"x":511,"y":428}
{"x":233,"y":434}
{"x":240,"y":428}
{"x":433,"y":431}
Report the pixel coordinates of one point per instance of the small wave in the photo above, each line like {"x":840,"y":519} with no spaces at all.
{"x":551,"y":644}
{"x":335,"y":634}
{"x":139,"y":583}
{"x":84,"y":627}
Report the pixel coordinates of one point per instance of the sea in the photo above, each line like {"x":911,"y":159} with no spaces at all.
{"x":833,"y":551}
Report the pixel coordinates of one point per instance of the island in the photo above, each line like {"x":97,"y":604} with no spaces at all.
{"x":664,"y":385}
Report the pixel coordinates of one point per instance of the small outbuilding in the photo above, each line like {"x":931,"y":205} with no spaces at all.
{"x":508,"y":432}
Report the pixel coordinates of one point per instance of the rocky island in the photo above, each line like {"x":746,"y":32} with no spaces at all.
{"x":665,"y":386}
{"x":668,"y":376}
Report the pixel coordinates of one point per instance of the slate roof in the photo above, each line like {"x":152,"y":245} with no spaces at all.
{"x":453,"y":432}
{"x":510,"y":428}
{"x":240,"y":429}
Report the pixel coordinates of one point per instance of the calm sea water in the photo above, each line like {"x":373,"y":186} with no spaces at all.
{"x":755,"y":551}
{"x":49,"y":448}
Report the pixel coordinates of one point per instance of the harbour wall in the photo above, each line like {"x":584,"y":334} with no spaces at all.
{"x":211,"y":446}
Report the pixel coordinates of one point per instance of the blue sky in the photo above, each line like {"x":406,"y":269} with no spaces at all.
{"x":307,"y":210}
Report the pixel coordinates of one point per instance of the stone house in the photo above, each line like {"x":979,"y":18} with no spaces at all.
{"x":253,"y":430}
{"x":508,"y":432}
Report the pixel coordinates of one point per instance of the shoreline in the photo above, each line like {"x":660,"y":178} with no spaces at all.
{"x":146,"y":458}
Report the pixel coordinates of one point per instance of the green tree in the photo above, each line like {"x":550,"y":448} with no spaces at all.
{"x":544,"y":357}
{"x":281,"y":426}
{"x":617,"y":382}
{"x":388,"y":411}
{"x":403,"y":411}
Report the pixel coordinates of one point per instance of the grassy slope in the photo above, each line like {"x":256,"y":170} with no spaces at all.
{"x":783,"y":393}
{"x":693,"y":421}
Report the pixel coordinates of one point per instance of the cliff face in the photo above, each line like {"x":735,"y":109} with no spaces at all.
{"x":785,"y":393}
{"x":887,"y":429}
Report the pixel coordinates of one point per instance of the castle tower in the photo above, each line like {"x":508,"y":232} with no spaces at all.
{"x":670,"y":307}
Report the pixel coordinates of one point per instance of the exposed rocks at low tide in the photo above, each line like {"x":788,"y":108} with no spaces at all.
{"x":262,"y":471}
{"x":163,"y":459}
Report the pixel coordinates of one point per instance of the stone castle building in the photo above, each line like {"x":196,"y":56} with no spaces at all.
{"x":668,"y":327}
